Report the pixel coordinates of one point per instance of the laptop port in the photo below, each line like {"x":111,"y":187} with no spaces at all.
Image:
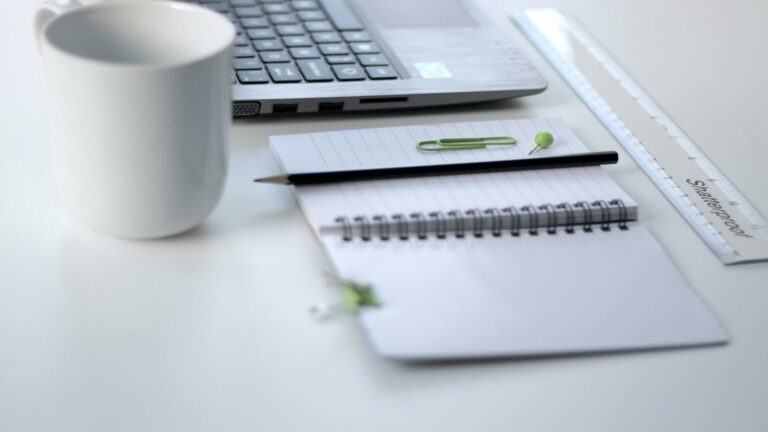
{"x":245,"y":109}
{"x":330,"y":106}
{"x":384,"y":100}
{"x":285,"y":108}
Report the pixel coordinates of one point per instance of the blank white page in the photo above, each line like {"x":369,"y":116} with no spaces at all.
{"x":522,"y":296}
{"x":369,"y":148}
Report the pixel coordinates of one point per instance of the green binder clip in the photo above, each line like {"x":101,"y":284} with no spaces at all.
{"x":447,"y":144}
{"x":357,"y":295}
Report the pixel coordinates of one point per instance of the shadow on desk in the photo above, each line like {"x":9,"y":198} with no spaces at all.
{"x":543,"y":359}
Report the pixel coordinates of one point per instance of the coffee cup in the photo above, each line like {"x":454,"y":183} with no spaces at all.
{"x":139,"y":108}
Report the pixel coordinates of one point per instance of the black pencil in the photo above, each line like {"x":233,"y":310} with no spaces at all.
{"x":567,"y":161}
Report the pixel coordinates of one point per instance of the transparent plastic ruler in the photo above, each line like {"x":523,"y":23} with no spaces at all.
{"x":719,"y":213}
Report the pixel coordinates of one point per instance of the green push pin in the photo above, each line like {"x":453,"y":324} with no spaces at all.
{"x":543,"y":141}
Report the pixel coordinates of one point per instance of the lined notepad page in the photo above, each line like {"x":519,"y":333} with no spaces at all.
{"x":385,"y":147}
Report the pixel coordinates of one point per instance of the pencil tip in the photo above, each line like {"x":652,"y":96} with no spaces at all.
{"x":278,"y":179}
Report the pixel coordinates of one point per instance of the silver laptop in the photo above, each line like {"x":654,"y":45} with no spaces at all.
{"x":353,"y":55}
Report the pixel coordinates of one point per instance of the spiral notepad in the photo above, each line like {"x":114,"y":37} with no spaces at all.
{"x":519,"y":263}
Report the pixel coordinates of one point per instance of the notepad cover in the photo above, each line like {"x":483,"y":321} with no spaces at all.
{"x":525,"y":296}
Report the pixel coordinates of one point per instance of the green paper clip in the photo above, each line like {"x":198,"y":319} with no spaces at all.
{"x":445,"y":144}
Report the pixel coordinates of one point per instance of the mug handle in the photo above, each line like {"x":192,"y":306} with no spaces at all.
{"x":48,"y":11}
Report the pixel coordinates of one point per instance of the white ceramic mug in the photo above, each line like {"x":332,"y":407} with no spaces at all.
{"x":140,"y":111}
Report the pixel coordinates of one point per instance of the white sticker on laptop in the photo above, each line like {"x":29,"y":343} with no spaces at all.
{"x":432,"y":70}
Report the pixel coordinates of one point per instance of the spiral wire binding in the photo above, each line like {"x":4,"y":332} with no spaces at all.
{"x":544,"y":216}
{"x":586,"y":207}
{"x":458,"y":223}
{"x":514,"y":220}
{"x":551,"y":214}
{"x":421,"y":225}
{"x":605,"y":214}
{"x":346,"y":227}
{"x":383,"y":223}
{"x":402,"y":226}
{"x":442,"y":225}
{"x":533,"y":219}
{"x":570,"y":217}
{"x":496,"y":221}
{"x":622,"y":213}
{"x":477,"y":222}
{"x":365,"y":227}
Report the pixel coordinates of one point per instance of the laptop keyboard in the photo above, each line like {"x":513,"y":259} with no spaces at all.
{"x":293,"y":41}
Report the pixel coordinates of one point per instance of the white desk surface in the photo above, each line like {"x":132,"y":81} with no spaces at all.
{"x":210,"y":331}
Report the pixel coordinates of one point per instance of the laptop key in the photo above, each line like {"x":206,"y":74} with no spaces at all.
{"x":297,"y":41}
{"x":304,"y":5}
{"x":348,"y":72}
{"x":340,"y":59}
{"x":381,"y":72}
{"x":311,"y":15}
{"x":318,"y":26}
{"x":267,"y":45}
{"x":331,"y":49}
{"x":252,"y":77}
{"x":356,"y":36}
{"x":290,"y":30}
{"x":326,"y":37}
{"x":276,"y":8}
{"x":242,"y":40}
{"x":283,"y":19}
{"x":260,"y":22}
{"x":364,"y":48}
{"x":315,"y":70}
{"x":284,"y":73}
{"x":248,"y":12}
{"x":261,"y":33}
{"x":243,"y":2}
{"x":243,"y":51}
{"x":247,"y":64}
{"x":373,"y":60}
{"x":341,"y":15}
{"x":274,"y":57}
{"x":304,"y":53}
